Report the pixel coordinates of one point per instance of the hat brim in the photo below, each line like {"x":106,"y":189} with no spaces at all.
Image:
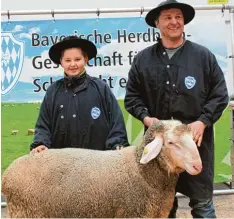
{"x":187,"y":10}
{"x":87,"y":46}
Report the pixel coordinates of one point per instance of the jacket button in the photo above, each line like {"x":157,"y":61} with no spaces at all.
{"x":62,"y":117}
{"x":167,"y":82}
{"x":61,"y":106}
{"x":164,"y":53}
{"x":74,"y":115}
{"x":168,"y":66}
{"x":74,"y":95}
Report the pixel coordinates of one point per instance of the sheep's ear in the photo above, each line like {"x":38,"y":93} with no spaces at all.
{"x":151,"y":150}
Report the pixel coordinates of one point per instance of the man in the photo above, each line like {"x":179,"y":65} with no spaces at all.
{"x":179,"y":79}
{"x":78,"y":110}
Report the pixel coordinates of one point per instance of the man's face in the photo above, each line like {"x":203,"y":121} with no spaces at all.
{"x":171,"y":23}
{"x":73,"y":61}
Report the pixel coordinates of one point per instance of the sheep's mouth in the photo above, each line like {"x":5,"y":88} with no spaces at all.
{"x":193,"y":170}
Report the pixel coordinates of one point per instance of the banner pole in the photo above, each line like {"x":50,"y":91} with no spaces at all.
{"x":104,"y":10}
{"x":232,"y":111}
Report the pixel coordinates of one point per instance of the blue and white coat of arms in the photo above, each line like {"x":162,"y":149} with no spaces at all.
{"x":189,"y":82}
{"x":95,"y":112}
{"x":11,"y":61}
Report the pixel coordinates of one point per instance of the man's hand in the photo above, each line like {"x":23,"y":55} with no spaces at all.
{"x":38,"y":149}
{"x":119,"y":148}
{"x":197,"y":128}
{"x":148,"y":121}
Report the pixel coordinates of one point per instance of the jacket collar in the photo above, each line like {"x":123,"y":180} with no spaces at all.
{"x":77,"y":83}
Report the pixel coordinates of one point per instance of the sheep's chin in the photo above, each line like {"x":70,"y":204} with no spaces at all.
{"x":179,"y":170}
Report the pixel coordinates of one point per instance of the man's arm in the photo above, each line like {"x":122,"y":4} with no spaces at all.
{"x":133,"y":101}
{"x":217,"y":99}
{"x":43,"y":127}
{"x":117,"y":135}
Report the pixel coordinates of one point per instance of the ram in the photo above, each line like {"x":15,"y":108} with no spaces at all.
{"x":133,"y":182}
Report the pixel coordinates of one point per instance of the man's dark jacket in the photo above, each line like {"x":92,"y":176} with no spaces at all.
{"x":81,"y":113}
{"x":189,"y":87}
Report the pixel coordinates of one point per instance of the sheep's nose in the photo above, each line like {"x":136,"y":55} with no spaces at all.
{"x":198,"y":166}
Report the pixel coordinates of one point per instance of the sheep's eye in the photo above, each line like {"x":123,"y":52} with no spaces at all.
{"x":170,"y":142}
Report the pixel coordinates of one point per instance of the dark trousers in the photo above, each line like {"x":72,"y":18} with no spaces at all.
{"x":200,"y":208}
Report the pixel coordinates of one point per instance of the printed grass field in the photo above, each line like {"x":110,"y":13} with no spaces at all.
{"x":23,"y":117}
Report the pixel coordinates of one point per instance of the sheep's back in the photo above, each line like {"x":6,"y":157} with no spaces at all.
{"x":82,"y":183}
{"x":60,"y":177}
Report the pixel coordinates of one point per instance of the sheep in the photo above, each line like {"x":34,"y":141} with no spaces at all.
{"x":135,"y":182}
{"x":14,"y":132}
{"x":31,"y":131}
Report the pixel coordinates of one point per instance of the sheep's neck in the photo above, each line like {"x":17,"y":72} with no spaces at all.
{"x":161,"y":166}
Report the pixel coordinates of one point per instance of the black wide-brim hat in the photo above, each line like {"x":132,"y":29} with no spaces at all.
{"x":87,"y":46}
{"x":187,"y":10}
